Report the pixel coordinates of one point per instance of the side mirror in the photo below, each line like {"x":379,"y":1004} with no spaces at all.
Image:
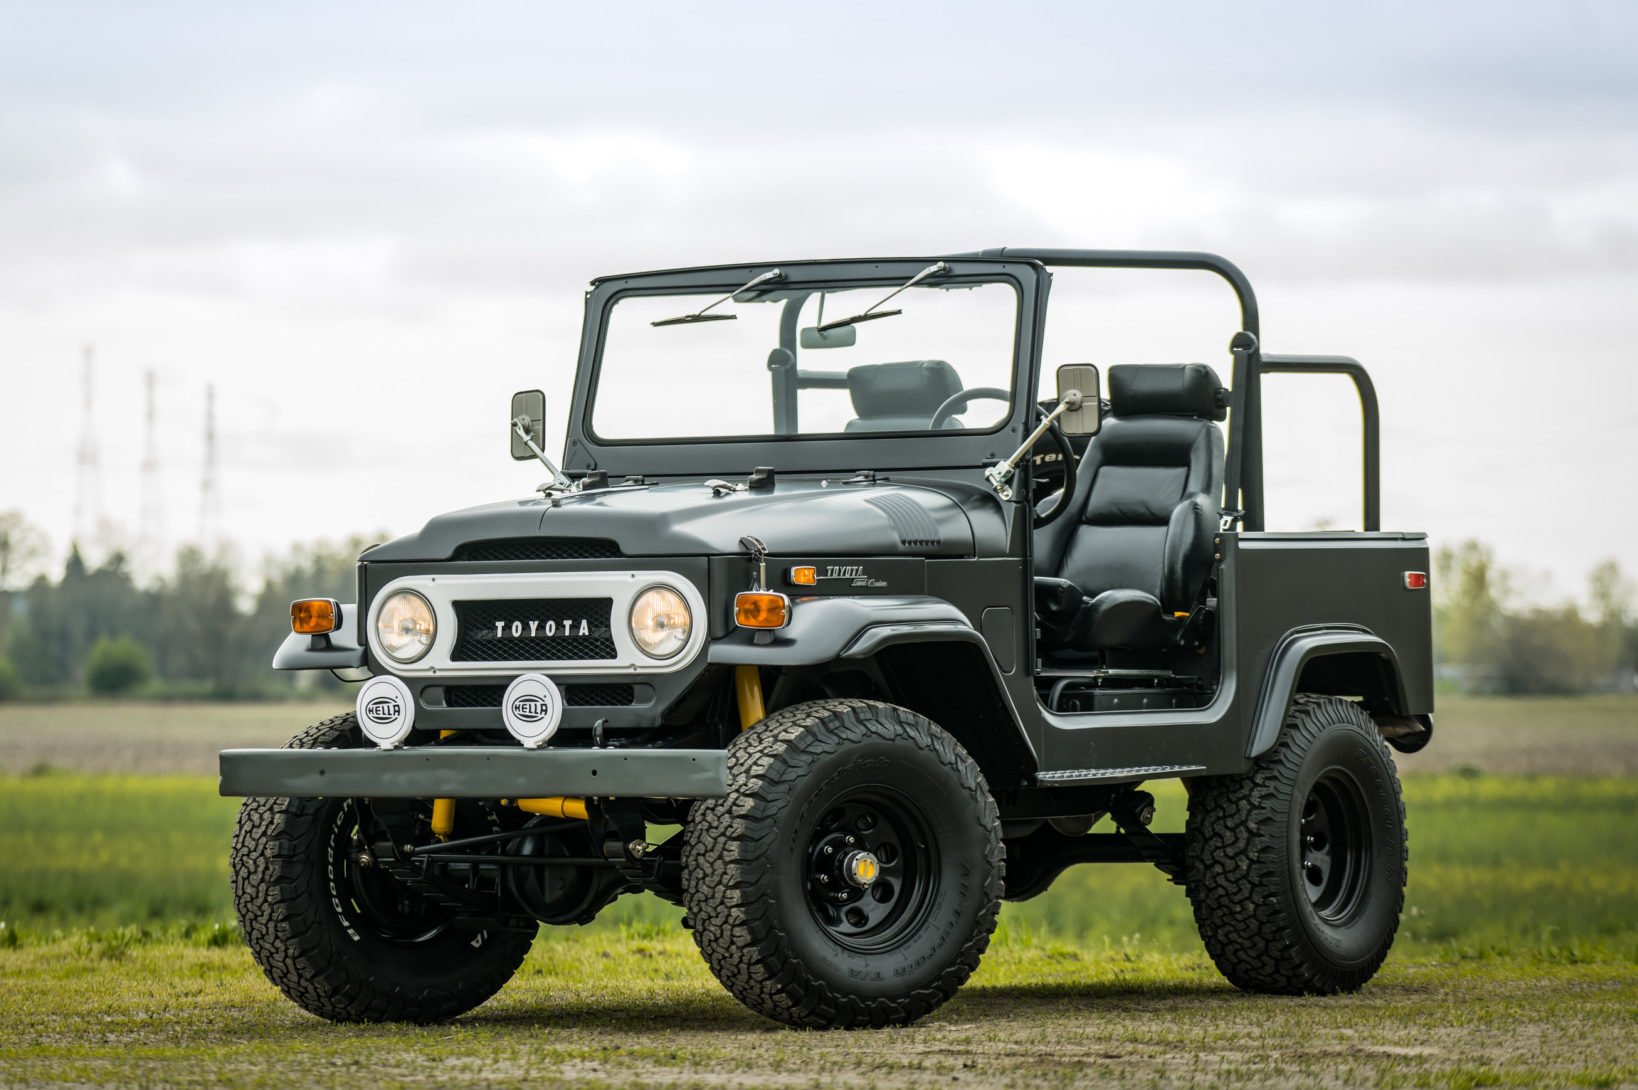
{"x":529,"y":410}
{"x":1081,"y":379}
{"x":844,"y":337}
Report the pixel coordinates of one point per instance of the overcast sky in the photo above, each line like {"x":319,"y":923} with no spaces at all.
{"x":368,"y":224}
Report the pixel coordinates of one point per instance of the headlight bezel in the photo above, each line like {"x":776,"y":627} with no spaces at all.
{"x":686,"y":630}
{"x":380,"y":613}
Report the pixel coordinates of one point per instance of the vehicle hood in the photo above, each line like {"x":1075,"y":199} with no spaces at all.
{"x":809,"y":517}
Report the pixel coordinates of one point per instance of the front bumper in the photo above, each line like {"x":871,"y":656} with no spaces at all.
{"x":477,"y":772}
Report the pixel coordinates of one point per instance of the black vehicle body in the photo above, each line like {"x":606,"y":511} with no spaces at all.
{"x":927,"y":601}
{"x":881,"y":676}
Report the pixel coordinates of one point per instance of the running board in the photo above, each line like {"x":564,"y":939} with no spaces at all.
{"x":1065,"y":776}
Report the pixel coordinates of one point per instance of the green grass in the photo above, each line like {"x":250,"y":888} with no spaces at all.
{"x":637,"y":1007}
{"x":1505,"y":865}
{"x":1517,"y":963}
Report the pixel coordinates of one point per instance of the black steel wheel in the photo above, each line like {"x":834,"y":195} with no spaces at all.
{"x":1334,"y":846}
{"x":346,"y":941}
{"x":873,"y":869}
{"x":1296,"y":870}
{"x":853,"y":873}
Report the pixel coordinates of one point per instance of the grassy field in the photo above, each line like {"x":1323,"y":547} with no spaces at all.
{"x":1517,"y":963}
{"x":1591,"y":735}
{"x":1509,"y":864}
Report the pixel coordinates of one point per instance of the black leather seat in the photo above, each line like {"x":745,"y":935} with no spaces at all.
{"x":900,"y":396}
{"x":1135,"y":548}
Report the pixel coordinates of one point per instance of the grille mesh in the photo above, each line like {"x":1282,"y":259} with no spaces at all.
{"x":575,"y":696}
{"x":539,"y":548}
{"x":600,"y":696}
{"x":478,"y":622}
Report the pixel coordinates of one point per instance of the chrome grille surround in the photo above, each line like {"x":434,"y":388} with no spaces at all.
{"x":621,"y":588}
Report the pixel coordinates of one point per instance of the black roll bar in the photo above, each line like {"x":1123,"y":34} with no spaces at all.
{"x":1346,"y":365}
{"x":1244,"y":460}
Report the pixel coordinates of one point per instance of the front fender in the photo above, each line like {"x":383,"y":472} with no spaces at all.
{"x":1296,"y":650}
{"x":826,"y":629}
{"x":336,"y":650}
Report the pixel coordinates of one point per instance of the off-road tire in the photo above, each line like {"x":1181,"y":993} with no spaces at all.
{"x":746,"y":857}
{"x":1244,"y":860}
{"x":286,"y":897}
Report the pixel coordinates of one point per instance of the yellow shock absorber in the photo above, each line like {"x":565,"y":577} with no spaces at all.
{"x":556,"y":806}
{"x":443,"y":810}
{"x":748,"y":687}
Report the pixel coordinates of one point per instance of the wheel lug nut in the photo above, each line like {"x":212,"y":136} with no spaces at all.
{"x":824,"y":879}
{"x":830,"y":849}
{"x":850,"y":841}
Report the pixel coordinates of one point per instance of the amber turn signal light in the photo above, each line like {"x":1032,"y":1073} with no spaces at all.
{"x":761,"y":609}
{"x":314,"y":616}
{"x":805,"y":575}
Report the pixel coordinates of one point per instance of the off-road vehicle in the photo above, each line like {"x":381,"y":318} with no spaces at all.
{"x":833,"y":632}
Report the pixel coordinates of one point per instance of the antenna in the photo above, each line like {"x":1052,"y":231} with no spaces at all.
{"x":210,"y":498}
{"x":151,"y":528}
{"x":88,"y":463}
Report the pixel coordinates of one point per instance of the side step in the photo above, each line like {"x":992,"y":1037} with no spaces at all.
{"x":1066,"y":776}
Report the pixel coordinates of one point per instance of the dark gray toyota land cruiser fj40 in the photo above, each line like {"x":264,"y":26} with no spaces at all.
{"x":836,"y":630}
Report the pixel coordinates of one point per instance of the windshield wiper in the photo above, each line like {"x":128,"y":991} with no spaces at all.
{"x":870,"y":313}
{"x":700,"y":315}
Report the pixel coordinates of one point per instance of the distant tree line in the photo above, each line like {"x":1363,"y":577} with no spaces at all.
{"x":1492,"y":636}
{"x":202,"y":630}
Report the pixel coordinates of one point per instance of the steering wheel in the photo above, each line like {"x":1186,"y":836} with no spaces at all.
{"x":958,"y":402}
{"x":1066,"y":454}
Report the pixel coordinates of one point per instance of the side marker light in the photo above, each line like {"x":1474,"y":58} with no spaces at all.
{"x":761,"y":609}
{"x":314,"y":616}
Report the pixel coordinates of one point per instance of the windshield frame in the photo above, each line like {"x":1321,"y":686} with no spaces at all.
{"x":584,"y":450}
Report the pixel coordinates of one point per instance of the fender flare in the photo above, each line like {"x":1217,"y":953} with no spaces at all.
{"x":826,"y":630}
{"x":338,"y":650}
{"x":823,"y":630}
{"x":1296,"y":650}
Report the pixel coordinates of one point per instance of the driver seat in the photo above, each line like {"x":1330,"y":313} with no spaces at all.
{"x":900,"y":396}
{"x":1129,"y":559}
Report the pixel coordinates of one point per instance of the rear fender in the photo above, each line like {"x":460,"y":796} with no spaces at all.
{"x":1340,"y":660}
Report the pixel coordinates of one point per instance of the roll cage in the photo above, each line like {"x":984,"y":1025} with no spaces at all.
{"x":1028,"y":269}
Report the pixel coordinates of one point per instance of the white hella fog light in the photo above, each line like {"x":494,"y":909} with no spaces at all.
{"x":661,"y":622}
{"x":532,"y":709}
{"x":405,"y":626}
{"x":386,"y":711}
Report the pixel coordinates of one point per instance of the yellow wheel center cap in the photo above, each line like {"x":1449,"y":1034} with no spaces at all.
{"x":861,"y":868}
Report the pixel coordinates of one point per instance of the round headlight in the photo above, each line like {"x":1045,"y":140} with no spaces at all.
{"x":661,"y":622}
{"x":405,"y":626}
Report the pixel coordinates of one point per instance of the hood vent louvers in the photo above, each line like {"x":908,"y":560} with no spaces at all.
{"x":539,"y":548}
{"x":909,"y":519}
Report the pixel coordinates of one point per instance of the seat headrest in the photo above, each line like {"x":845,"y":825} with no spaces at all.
{"x":1166,"y":389}
{"x":911,"y":388}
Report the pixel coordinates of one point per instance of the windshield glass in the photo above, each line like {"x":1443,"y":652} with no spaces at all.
{"x":724,"y":379}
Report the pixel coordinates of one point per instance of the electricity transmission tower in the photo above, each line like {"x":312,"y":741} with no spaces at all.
{"x":210,"y":496}
{"x":151,"y":526}
{"x":88,"y":466}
